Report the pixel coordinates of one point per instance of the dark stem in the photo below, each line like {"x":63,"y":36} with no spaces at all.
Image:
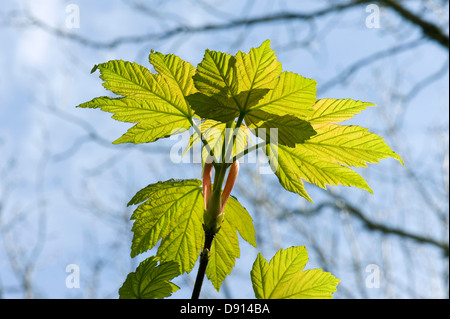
{"x":204,"y":259}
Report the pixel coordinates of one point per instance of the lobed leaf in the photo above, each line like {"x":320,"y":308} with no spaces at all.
{"x":286,"y":130}
{"x":173,"y":212}
{"x":284,"y":278}
{"x":156,"y":102}
{"x":291,"y":165}
{"x":349,"y":145}
{"x":328,"y":111}
{"x":292,"y":95}
{"x":225,"y":247}
{"x":257,"y":70}
{"x":150,"y":280}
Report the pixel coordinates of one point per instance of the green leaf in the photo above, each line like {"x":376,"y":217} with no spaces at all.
{"x":156,"y":102}
{"x":217,"y":77}
{"x":325,"y":158}
{"x":289,"y":130}
{"x":230,"y":85}
{"x":349,"y":145}
{"x":154,"y":120}
{"x":292,"y":95}
{"x":291,"y":165}
{"x":225,"y":247}
{"x":284,"y":277}
{"x":173,"y":212}
{"x":240,"y":220}
{"x":150,"y":280}
{"x":176,"y":72}
{"x":336,"y":110}
{"x":258,"y":69}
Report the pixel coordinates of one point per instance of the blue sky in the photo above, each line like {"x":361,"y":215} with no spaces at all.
{"x":46,"y":76}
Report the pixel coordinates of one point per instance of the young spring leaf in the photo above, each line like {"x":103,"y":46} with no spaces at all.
{"x":289,"y":129}
{"x":292,"y":94}
{"x":326,"y":157}
{"x":257,"y":71}
{"x":252,"y":84}
{"x":284,"y":277}
{"x":326,"y":111}
{"x":217,"y":77}
{"x":156,"y":102}
{"x":150,"y":280}
{"x":294,"y":164}
{"x":173,"y":211}
{"x":225,"y":247}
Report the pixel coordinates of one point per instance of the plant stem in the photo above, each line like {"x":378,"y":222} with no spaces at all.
{"x":231,"y":143}
{"x":219,"y":177}
{"x":204,"y":259}
{"x":205,"y":142}
{"x":248,"y":150}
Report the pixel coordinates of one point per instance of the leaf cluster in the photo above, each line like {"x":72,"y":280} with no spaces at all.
{"x":249,"y":93}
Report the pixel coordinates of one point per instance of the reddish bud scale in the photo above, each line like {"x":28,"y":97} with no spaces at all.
{"x":231,"y":180}
{"x":207,"y":171}
{"x":215,"y":201}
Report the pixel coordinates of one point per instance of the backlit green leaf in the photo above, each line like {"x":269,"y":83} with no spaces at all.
{"x":173,"y":212}
{"x":150,"y":280}
{"x":156,"y":102}
{"x":217,"y":77}
{"x":258,"y":69}
{"x":284,"y":277}
{"x":326,"y":157}
{"x":336,"y":110}
{"x":292,"y":95}
{"x":348,"y":145}
{"x":289,"y":130}
{"x":291,"y":165}
{"x":225,"y":247}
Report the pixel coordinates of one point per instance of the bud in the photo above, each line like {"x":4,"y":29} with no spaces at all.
{"x":215,"y":201}
{"x":207,"y":171}
{"x":231,"y":180}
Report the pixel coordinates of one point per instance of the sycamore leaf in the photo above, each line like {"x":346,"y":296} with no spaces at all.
{"x":284,"y":278}
{"x":257,"y":70}
{"x":150,"y":280}
{"x":292,"y":94}
{"x":231,"y":85}
{"x":289,"y":130}
{"x":325,"y":158}
{"x":216,"y":76}
{"x":176,"y":72}
{"x":154,"y":121}
{"x":336,"y":110}
{"x":291,"y":165}
{"x":225,"y":247}
{"x":173,"y":212}
{"x":285,"y":108}
{"x":348,"y":145}
{"x":156,"y":102}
